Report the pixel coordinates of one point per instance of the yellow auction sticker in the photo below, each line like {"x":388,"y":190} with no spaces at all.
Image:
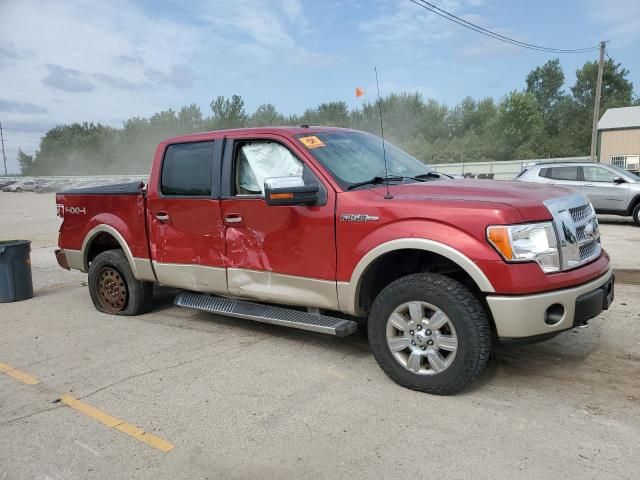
{"x":312,"y":142}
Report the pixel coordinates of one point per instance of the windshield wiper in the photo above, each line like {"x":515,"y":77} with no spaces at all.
{"x":423,"y":176}
{"x":376,"y":181}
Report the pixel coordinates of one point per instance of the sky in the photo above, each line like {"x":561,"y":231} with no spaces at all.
{"x":77,"y":60}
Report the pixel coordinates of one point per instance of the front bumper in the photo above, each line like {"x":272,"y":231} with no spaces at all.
{"x":544,"y":314}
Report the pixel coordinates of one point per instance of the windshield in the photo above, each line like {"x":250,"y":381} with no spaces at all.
{"x":354,"y":157}
{"x":625,"y":173}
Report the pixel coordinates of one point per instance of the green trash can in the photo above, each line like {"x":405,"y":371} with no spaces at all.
{"x":15,"y":271}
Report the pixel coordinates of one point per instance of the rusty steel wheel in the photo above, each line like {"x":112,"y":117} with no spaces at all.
{"x":112,"y":290}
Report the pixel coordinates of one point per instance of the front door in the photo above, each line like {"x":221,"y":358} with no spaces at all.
{"x":187,"y":234}
{"x":280,"y":254}
{"x":604,"y":193}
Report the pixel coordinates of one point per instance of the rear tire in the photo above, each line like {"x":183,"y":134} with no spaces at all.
{"x":114,"y":289}
{"x":636,"y":214}
{"x":438,"y":330}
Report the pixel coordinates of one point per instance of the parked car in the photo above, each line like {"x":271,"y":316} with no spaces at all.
{"x":23,"y":187}
{"x":4,"y":185}
{"x":311,"y":228}
{"x":611,"y":190}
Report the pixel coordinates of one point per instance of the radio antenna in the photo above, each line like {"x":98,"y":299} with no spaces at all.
{"x":388,"y":195}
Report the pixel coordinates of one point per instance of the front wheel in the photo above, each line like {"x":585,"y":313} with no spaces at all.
{"x":429,"y":333}
{"x":113,"y":287}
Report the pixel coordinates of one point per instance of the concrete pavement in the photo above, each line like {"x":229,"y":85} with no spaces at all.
{"x":244,"y":400}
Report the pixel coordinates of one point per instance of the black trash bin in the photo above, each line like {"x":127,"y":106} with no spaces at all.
{"x":15,"y":270}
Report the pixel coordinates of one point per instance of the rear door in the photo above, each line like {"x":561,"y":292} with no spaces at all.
{"x":281,"y":254}
{"x":567,"y":176}
{"x":187,"y":234}
{"x":604,"y":193}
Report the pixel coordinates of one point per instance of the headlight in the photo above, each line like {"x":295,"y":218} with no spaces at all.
{"x":532,"y":242}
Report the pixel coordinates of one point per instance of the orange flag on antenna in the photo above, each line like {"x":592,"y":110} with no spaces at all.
{"x":359,"y":92}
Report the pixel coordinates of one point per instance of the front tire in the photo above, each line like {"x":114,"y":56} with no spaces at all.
{"x":636,"y":214}
{"x":429,"y":333}
{"x":114,"y":289}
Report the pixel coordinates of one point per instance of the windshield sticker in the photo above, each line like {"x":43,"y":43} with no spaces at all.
{"x":311,"y":142}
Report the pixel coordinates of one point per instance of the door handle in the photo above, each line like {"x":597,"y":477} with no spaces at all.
{"x":162,"y":216}
{"x":589,"y":185}
{"x":233,"y":218}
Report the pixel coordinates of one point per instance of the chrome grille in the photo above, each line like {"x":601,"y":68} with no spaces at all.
{"x":577,"y":229}
{"x":579,"y":214}
{"x":587,"y":250}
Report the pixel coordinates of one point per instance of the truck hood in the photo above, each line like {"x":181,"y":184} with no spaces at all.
{"x":527,"y":198}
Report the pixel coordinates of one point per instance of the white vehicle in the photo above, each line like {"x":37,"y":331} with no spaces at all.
{"x":23,"y":187}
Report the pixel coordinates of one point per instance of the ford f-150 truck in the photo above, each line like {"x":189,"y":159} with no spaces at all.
{"x":322,"y":229}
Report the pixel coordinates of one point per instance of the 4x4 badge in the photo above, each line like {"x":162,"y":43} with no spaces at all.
{"x":358,"y":217}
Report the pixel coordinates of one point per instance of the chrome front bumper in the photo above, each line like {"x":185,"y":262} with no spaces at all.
{"x":518,"y":317}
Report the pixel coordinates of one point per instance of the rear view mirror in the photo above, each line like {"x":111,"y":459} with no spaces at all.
{"x":279,"y":191}
{"x":619,"y":180}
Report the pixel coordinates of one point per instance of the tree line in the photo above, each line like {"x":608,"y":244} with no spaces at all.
{"x":541,"y":120}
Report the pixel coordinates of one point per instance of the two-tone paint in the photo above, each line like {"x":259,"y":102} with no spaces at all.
{"x":313,"y":256}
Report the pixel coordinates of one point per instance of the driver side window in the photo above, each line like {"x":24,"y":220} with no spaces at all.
{"x":255,"y":161}
{"x":598,"y":174}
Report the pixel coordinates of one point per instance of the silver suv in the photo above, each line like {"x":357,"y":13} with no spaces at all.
{"x":611,"y":190}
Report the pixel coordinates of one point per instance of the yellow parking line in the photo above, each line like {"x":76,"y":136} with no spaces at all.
{"x":18,"y":375}
{"x":113,"y":422}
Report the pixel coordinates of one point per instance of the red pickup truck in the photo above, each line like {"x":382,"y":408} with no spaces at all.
{"x":312,"y":228}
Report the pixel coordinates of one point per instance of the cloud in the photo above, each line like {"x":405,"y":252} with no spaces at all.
{"x":119,"y":82}
{"x":619,"y":19}
{"x":66,"y":79}
{"x":20,"y":107}
{"x":180,"y":76}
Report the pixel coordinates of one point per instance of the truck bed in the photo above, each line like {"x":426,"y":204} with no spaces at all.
{"x":131,"y":188}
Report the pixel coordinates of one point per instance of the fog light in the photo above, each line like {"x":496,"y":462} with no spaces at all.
{"x":554,"y":314}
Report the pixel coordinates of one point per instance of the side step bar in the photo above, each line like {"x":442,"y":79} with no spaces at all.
{"x":267,"y":314}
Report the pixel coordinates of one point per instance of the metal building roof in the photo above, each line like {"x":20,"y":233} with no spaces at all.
{"x":625,"y":117}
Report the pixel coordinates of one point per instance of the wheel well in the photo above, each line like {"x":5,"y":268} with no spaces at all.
{"x":399,"y":263}
{"x":101,"y":243}
{"x":635,"y":201}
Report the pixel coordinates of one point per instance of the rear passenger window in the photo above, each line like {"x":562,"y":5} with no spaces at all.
{"x":563,"y":173}
{"x":187,"y":170}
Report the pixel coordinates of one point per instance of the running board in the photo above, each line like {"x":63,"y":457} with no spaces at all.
{"x":267,"y":314}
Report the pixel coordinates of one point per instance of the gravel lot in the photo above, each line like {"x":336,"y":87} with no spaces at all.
{"x":244,"y":400}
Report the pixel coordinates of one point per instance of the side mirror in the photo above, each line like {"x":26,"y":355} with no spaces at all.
{"x":279,"y":191}
{"x":619,"y":180}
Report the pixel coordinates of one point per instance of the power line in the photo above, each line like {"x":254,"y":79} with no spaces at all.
{"x":496,"y":36}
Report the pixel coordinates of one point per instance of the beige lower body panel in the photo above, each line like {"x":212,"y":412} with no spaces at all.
{"x":198,"y":278}
{"x":75,"y":259}
{"x":523,"y":316}
{"x":141,"y":266}
{"x":284,"y":289}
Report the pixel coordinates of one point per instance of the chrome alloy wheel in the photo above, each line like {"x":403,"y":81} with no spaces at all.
{"x":422,"y":338}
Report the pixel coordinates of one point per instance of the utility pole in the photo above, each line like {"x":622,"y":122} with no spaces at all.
{"x":4,"y":156}
{"x":596,"y":106}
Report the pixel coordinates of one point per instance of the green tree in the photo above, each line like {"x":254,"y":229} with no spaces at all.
{"x":617,"y":90}
{"x":519,"y":125}
{"x":545,"y":84}
{"x":25,"y":161}
{"x":266,"y":115}
{"x":228,"y":112}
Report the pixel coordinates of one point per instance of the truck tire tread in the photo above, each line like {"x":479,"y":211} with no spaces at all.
{"x":465,"y":311}
{"x":140,"y":293}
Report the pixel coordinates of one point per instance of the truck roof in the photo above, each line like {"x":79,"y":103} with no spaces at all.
{"x":290,"y":130}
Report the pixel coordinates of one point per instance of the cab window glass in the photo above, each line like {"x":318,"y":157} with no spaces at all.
{"x":598,"y":174}
{"x":187,"y":169}
{"x":256,"y":161}
{"x":563,"y":173}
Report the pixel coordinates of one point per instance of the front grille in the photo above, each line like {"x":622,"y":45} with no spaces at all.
{"x":579,"y":214}
{"x":577,"y":230}
{"x":588,"y":250}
